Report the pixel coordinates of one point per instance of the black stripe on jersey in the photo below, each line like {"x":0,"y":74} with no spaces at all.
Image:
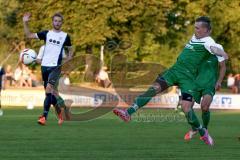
{"x":60,"y":57}
{"x":42,"y":35}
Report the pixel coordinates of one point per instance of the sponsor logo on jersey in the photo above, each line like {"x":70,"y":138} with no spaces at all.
{"x":189,"y":46}
{"x":54,"y":42}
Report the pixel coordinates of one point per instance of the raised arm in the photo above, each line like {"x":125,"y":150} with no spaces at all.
{"x":26,"y":18}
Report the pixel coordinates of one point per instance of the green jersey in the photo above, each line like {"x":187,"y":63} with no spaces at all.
{"x":184,"y":72}
{"x":208,"y":75}
{"x":193,"y":54}
{"x":208,"y":71}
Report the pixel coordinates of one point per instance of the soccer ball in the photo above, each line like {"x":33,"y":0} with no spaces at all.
{"x":27,"y":56}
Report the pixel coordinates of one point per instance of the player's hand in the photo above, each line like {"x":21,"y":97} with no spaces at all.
{"x":68,"y":58}
{"x":218,"y":86}
{"x":26,"y":17}
{"x":38,"y":61}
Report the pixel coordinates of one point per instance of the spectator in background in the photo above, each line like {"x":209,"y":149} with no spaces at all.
{"x":35,"y":81}
{"x":2,"y":78}
{"x":18,"y":75}
{"x":102,"y":78}
{"x":2,"y":74}
{"x":26,"y":78}
{"x":9,"y":76}
{"x":237,"y":83}
{"x":64,"y":81}
{"x":22,"y":76}
{"x":231,"y":83}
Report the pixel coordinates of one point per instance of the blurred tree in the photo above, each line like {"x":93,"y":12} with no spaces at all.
{"x":157,"y":29}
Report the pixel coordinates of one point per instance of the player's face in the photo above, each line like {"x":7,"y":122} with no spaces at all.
{"x":200,"y":30}
{"x":57,"y":23}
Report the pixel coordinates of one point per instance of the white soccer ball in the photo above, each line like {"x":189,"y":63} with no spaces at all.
{"x":27,"y":56}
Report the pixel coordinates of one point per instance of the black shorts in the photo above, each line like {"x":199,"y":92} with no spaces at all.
{"x":51,"y":75}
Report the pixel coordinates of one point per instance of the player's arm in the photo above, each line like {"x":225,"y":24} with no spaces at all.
{"x":219,"y":52}
{"x":222,"y":71}
{"x":70,"y":51}
{"x":28,"y":33}
{"x":40,"y":55}
{"x":68,"y":46}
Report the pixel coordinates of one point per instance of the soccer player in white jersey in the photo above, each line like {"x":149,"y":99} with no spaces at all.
{"x":55,"y":42}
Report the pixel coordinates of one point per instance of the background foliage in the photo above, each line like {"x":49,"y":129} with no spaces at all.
{"x":157,"y":29}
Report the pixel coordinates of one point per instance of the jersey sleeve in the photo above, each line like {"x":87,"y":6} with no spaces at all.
{"x":220,"y":59}
{"x":67,"y":41}
{"x":208,"y":43}
{"x":42,"y":35}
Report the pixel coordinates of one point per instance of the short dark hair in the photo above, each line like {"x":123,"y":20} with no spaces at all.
{"x":57,"y":15}
{"x":206,"y":22}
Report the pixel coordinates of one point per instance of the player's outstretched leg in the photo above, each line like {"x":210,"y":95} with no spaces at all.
{"x":122,"y":114}
{"x":139,"y":102}
{"x":158,"y":86}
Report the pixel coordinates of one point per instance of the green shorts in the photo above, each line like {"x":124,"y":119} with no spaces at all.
{"x":184,"y":80}
{"x":204,"y":91}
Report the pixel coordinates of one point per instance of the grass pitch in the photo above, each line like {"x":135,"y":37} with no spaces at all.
{"x":152,"y":135}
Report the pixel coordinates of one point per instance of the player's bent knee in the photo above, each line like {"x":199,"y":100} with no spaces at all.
{"x":156,"y":87}
{"x":161,"y":83}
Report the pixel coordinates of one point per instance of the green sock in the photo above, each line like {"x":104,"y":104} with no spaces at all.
{"x":194,"y":122}
{"x":142,"y":100}
{"x":205,"y":119}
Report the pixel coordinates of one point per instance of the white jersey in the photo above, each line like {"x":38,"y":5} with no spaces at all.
{"x":206,"y":41}
{"x":41,"y":51}
{"x":54,"y":45}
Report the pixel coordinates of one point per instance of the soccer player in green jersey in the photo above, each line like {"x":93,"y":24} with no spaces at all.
{"x":210,"y":76}
{"x":183,"y":74}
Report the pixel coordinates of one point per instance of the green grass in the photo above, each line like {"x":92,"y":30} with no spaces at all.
{"x":106,"y":138}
